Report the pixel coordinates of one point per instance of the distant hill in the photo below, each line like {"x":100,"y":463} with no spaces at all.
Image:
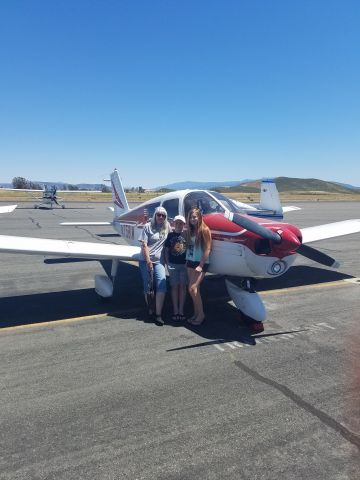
{"x":284,"y":184}
{"x":200,"y":185}
{"x":62,"y":185}
{"x":347,"y":185}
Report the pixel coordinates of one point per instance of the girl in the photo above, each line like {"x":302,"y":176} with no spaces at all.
{"x":197,"y":260}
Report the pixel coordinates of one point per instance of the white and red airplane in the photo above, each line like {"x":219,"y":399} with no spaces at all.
{"x":243,"y":246}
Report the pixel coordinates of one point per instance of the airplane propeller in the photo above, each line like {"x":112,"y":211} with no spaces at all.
{"x":268,"y":234}
{"x":256,"y":228}
{"x":317,"y":256}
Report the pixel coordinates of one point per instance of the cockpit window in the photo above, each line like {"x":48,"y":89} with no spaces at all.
{"x":225,"y":201}
{"x":172,"y":207}
{"x":202,"y":200}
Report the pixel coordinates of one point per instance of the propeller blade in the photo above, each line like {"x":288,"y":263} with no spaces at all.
{"x":317,"y":256}
{"x":256,"y":228}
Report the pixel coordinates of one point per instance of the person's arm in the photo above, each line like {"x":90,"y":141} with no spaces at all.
{"x":146,"y":253}
{"x":144,"y":246}
{"x":166,"y":250}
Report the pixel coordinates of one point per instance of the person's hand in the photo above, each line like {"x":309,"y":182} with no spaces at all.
{"x":149,"y":266}
{"x":199,"y":269}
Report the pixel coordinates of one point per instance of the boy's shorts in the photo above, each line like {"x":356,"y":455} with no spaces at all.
{"x":177,"y":274}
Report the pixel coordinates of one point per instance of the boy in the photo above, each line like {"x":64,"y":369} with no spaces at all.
{"x":175,"y":253}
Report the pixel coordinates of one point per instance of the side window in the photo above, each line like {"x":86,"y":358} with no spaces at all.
{"x":150,"y":209}
{"x":172,"y":207}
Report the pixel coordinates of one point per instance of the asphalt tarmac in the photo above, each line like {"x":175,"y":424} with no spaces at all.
{"x":92,"y":390}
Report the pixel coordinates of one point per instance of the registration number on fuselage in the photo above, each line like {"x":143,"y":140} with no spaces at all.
{"x":127,"y":231}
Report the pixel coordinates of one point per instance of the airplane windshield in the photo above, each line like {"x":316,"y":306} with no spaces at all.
{"x":225,"y":201}
{"x":202,"y":200}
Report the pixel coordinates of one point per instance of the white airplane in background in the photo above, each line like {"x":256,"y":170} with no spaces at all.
{"x":242,"y":246}
{"x":49,"y":196}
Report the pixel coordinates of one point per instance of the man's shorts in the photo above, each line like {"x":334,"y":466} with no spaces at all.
{"x":177,"y":274}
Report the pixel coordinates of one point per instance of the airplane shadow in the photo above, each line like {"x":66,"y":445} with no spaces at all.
{"x":224,"y":323}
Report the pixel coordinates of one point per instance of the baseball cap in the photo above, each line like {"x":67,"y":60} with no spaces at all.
{"x":179,"y":217}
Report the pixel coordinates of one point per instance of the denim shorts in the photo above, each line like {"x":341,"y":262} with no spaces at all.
{"x":159,"y":276}
{"x":177,"y":274}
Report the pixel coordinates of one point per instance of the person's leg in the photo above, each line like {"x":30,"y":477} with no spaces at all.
{"x":182,"y":289}
{"x":182,"y":297}
{"x":175,"y":299}
{"x":195,"y":278}
{"x":160,"y":280}
{"x":173,"y":274}
{"x":145,"y":278}
{"x":198,"y":300}
{"x":192,"y":290}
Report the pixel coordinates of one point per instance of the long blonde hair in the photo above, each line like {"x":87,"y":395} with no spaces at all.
{"x":166,"y":228}
{"x":202,"y":233}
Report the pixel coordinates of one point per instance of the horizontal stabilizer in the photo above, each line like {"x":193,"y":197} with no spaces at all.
{"x":7,"y":208}
{"x":290,"y":208}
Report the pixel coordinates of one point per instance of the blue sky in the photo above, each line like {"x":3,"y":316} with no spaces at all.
{"x":179,"y":90}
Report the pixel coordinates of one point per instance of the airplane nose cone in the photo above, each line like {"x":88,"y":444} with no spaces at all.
{"x":290,"y":242}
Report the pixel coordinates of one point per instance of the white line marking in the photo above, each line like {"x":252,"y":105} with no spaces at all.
{"x":219,"y":348}
{"x":230,"y":345}
{"x":327,"y":326}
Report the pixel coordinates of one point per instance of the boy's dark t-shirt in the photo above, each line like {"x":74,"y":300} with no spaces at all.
{"x":176,"y":243}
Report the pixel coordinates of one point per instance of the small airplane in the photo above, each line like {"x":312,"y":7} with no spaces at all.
{"x":243,"y":246}
{"x":49,"y":196}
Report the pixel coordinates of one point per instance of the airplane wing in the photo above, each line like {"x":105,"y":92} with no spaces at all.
{"x":67,"y":248}
{"x":20,"y":190}
{"x":7,"y":208}
{"x":85,"y":224}
{"x":329,"y":230}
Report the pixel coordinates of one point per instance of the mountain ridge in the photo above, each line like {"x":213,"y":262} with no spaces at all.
{"x":284,"y":184}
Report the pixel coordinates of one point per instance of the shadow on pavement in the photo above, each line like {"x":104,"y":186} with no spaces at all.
{"x":222,"y":321}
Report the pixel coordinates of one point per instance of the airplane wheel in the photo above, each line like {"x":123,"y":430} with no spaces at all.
{"x":35,"y":206}
{"x":62,"y":206}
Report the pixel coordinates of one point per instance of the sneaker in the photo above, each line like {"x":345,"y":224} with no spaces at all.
{"x":159,"y":320}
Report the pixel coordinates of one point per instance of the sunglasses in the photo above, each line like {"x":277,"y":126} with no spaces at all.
{"x":161,"y":215}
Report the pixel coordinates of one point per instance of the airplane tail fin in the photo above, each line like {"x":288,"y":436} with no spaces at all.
{"x":118,"y":195}
{"x":269,"y":197}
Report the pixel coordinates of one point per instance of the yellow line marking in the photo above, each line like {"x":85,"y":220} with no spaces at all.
{"x":64,"y":321}
{"x":336,"y":283}
{"x":55,"y":322}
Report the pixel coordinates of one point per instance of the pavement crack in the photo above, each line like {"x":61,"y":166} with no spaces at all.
{"x":322,"y":416}
{"x":37,"y":224}
{"x":95,"y":236}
